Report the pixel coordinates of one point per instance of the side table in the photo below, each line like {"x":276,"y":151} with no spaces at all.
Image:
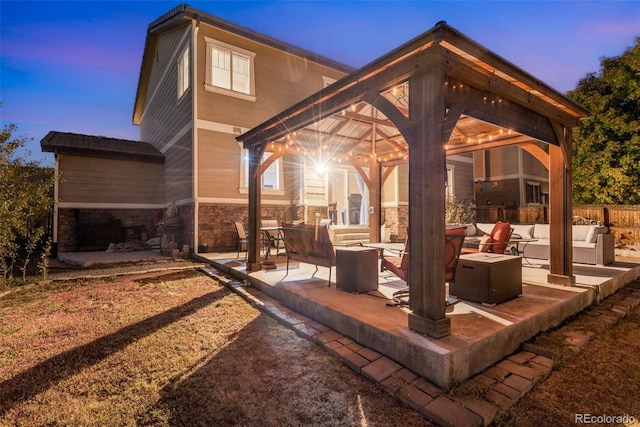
{"x":357,"y":269}
{"x":488,"y":278}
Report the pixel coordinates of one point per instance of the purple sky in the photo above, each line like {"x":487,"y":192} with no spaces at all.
{"x":73,"y":66}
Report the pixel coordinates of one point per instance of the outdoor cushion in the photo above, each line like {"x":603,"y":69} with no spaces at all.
{"x":500,"y":234}
{"x":523,"y":231}
{"x":592,"y":235}
{"x":485,"y":243}
{"x":541,"y":231}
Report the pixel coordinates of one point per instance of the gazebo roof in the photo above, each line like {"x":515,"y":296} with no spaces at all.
{"x":345,"y":120}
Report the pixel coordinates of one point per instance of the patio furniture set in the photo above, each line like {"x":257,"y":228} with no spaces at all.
{"x":483,"y":263}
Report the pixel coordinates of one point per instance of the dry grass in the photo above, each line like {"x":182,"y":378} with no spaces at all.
{"x":602,"y":379}
{"x":172,"y":349}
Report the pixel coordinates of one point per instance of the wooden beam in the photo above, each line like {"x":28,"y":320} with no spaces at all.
{"x":560,"y":216}
{"x":255,"y":205}
{"x":465,"y":71}
{"x":427,"y":174}
{"x":375,"y":201}
{"x":537,"y":152}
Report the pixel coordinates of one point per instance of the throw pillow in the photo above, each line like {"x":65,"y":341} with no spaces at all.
{"x":485,"y":243}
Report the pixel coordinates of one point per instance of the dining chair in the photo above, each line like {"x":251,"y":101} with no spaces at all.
{"x":243,"y":238}
{"x":272,"y":237}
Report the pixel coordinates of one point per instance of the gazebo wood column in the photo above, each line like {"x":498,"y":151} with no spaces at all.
{"x":427,"y":172}
{"x":375,"y":200}
{"x":560,"y":215}
{"x":255,"y":157}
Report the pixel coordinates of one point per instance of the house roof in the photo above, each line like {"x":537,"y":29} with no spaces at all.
{"x":100,"y":146}
{"x":185,"y":13}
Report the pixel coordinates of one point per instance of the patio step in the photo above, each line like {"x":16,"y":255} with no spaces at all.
{"x":348,"y":235}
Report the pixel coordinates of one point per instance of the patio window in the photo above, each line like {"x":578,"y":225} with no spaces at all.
{"x":184,"y":79}
{"x":271,"y":178}
{"x":230,"y":70}
{"x":533,"y":192}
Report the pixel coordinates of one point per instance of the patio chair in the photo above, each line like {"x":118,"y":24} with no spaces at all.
{"x":495,"y":242}
{"x":271,"y":238}
{"x":453,"y":241}
{"x":243,"y":239}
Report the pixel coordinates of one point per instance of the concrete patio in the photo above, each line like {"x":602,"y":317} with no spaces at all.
{"x":481,"y":335}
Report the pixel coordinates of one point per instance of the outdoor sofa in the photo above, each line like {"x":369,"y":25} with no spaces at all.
{"x":592,"y":244}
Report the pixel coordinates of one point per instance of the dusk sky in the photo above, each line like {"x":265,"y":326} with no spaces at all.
{"x":73,"y":66}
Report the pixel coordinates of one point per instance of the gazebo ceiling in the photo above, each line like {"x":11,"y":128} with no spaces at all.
{"x":361,"y":134}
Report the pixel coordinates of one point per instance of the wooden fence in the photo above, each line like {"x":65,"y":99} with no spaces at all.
{"x":623,"y":221}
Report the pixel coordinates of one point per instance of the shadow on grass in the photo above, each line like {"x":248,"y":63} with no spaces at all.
{"x":49,"y":372}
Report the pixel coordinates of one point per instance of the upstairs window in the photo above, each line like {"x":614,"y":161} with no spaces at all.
{"x":184,"y":73}
{"x":230,"y":70}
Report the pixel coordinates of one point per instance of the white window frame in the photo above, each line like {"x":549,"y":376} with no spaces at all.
{"x":450,"y":185}
{"x":184,"y":73}
{"x":233,"y":50}
{"x":276,"y":168}
{"x":536,"y":192}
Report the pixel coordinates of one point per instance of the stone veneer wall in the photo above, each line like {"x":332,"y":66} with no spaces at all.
{"x":397,"y":220}
{"x":217,"y":232}
{"x":69,"y":219}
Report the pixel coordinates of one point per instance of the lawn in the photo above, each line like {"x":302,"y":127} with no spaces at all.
{"x":180,"y":349}
{"x":169,"y":349}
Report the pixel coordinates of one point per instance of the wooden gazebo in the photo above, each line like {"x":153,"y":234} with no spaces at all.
{"x":437,"y":95}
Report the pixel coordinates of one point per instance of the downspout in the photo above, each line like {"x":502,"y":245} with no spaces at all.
{"x":56,"y":193}
{"x":523,"y":194}
{"x":194,"y":133}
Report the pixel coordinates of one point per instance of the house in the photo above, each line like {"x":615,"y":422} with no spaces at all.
{"x":204,"y":81}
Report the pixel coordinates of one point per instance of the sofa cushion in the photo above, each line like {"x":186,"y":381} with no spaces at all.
{"x":484,"y":228}
{"x":523,"y":231}
{"x":580,"y":233}
{"x":592,"y":235}
{"x":541,"y":231}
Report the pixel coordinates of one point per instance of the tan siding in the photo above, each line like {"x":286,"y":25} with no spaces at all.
{"x":532,"y":167}
{"x":463,"y":180}
{"x":281,"y":80}
{"x":403,"y":183}
{"x":218,"y":165}
{"x":503,"y":161}
{"x":96,"y":180}
{"x":178,"y":177}
{"x":389,"y":188}
{"x":219,"y":169}
{"x":165,"y":116}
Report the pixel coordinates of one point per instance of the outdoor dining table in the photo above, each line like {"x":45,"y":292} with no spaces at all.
{"x":394,"y":248}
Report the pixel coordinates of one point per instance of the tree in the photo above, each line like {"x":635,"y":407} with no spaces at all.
{"x":606,"y":147}
{"x":25,"y":204}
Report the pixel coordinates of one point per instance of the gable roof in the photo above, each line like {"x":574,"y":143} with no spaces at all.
{"x":100,"y":146}
{"x":185,"y":13}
